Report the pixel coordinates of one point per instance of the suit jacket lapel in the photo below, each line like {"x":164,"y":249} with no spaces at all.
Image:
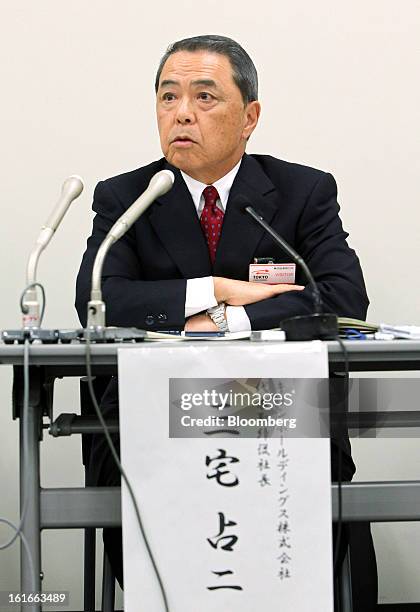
{"x":175,"y":220}
{"x":240,"y":233}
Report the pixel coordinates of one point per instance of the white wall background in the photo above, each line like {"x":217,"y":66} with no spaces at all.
{"x":340,"y":91}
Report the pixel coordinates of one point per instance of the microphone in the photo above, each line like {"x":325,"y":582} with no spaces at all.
{"x":71,"y":189}
{"x":319,"y":325}
{"x":160,"y":184}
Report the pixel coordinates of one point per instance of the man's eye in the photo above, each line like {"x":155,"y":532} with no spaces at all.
{"x":168,"y":97}
{"x":203,"y":95}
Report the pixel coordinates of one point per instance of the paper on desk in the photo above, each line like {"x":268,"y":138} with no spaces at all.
{"x":243,"y":335}
{"x":409,"y":332}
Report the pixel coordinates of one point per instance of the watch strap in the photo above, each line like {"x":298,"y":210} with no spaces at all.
{"x":217,"y":315}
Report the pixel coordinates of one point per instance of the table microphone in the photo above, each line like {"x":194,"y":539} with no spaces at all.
{"x":71,"y":189}
{"x":160,"y":184}
{"x":320,"y":325}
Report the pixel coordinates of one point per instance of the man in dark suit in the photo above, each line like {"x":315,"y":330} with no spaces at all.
{"x":185,"y":263}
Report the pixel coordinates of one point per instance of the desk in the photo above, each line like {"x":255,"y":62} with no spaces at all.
{"x":57,"y":508}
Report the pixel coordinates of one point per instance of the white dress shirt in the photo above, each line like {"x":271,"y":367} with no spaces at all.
{"x":200,"y":291}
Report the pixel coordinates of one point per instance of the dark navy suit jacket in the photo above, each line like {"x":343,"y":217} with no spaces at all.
{"x":144,"y":276}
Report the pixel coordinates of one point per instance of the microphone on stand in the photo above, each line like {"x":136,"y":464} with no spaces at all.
{"x":318,"y":326}
{"x":160,"y":184}
{"x":71,"y":189}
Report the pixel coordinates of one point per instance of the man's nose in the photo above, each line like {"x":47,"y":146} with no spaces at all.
{"x":185,"y":112}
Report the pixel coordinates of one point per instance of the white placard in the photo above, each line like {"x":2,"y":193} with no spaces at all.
{"x":231,"y":536}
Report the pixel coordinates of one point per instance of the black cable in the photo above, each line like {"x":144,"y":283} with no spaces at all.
{"x":339,"y":463}
{"x":24,"y":309}
{"x":120,"y":467}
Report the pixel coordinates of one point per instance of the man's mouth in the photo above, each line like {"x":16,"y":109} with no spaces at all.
{"x":182,"y":140}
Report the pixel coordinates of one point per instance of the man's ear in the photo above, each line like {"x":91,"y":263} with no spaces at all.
{"x":252,"y":114}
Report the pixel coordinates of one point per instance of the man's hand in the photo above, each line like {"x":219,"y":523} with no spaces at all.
{"x":241,"y":293}
{"x":200,"y":322}
{"x":236,"y":293}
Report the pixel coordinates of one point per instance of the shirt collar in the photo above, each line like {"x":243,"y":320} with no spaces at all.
{"x":223,"y":186}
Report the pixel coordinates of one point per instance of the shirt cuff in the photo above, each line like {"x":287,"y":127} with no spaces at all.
{"x":237,"y":319}
{"x":199,"y":296}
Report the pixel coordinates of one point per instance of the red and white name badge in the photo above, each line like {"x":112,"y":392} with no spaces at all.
{"x":272,"y":274}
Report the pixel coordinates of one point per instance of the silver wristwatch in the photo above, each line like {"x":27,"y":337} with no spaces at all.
{"x":217,"y":315}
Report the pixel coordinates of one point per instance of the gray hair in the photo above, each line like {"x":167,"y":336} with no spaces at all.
{"x":244,"y":72}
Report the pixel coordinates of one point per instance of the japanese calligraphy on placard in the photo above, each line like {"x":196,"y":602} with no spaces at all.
{"x":234,"y":522}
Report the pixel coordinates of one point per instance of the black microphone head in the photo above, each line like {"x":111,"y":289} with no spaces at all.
{"x":242,"y":202}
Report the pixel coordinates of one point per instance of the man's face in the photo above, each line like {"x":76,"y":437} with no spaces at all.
{"x":202,"y":120}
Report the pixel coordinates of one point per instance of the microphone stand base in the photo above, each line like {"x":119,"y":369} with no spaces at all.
{"x":319,"y":326}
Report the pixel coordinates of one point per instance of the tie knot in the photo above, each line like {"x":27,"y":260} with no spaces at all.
{"x":210,"y":196}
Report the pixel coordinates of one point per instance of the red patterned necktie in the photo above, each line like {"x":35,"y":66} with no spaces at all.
{"x":211,"y":220}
